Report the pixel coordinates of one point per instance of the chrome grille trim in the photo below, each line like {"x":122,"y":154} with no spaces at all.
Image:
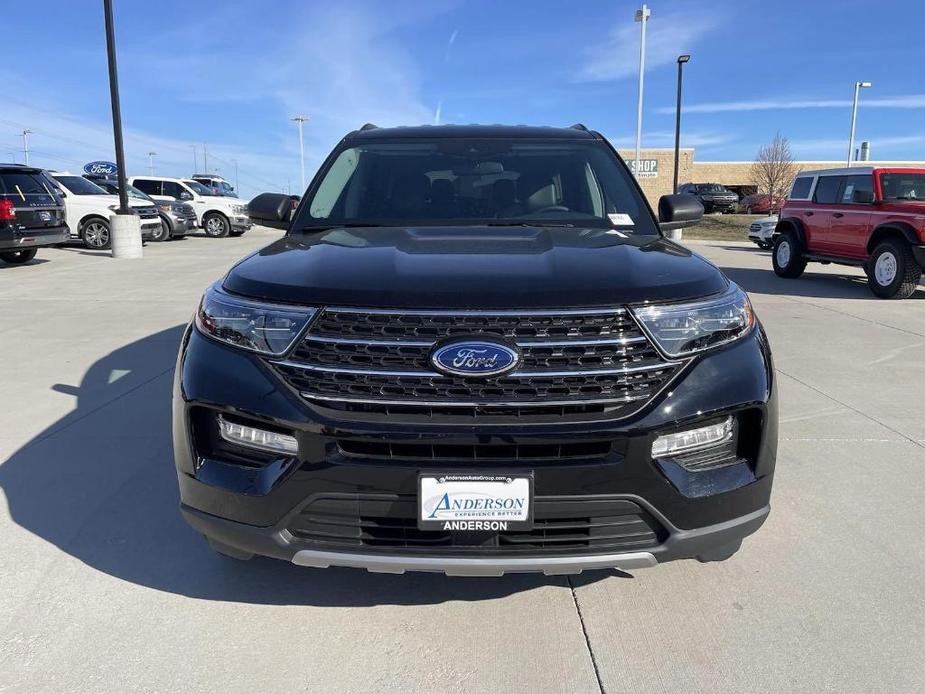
{"x":520,"y":343}
{"x":472,"y":403}
{"x":661,"y":366}
{"x":469,"y":312}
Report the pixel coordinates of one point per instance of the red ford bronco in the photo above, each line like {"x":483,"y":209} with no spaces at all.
{"x":864,"y":216}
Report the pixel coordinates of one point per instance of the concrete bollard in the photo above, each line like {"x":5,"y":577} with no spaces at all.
{"x":125,"y":232}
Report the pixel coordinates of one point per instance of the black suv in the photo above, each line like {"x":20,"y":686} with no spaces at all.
{"x":713,"y":196}
{"x":474,"y":352}
{"x":31,"y":214}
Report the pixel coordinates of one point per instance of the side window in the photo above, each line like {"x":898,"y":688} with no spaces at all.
{"x":863,"y":183}
{"x":827,"y":189}
{"x":801,"y":188}
{"x":149,"y":187}
{"x":172,"y":188}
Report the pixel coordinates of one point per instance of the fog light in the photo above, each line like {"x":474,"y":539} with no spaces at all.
{"x":693,"y":439}
{"x":260,"y":439}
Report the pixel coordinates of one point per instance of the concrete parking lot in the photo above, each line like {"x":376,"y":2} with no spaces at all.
{"x":103,"y":588}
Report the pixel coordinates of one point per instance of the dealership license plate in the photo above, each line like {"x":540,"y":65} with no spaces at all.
{"x":469,"y":502}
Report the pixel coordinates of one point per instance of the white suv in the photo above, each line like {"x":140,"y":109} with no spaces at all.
{"x":88,"y":208}
{"x":217,"y":215}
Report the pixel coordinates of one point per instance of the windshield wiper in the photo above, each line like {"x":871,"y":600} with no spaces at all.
{"x":526,"y":224}
{"x":340,"y":225}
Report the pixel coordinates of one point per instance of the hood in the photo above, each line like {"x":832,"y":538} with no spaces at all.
{"x":473,"y":267}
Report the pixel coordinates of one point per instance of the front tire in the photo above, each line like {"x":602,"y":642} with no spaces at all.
{"x":892,"y":272}
{"x":215,"y":225}
{"x":787,"y":257}
{"x":18,"y":257}
{"x":163,"y":234}
{"x":95,"y":234}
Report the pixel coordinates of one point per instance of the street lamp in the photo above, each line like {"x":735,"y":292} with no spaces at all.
{"x":642,"y":16}
{"x":25,"y":144}
{"x":151,"y":156}
{"x":677,"y":122}
{"x":300,"y":120}
{"x":854,"y":115}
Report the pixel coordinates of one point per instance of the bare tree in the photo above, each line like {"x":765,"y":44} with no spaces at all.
{"x":773,"y":169}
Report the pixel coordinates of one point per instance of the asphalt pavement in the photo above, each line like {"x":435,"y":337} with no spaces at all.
{"x":103,"y":588}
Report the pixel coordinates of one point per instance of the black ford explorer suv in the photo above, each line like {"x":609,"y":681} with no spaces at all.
{"x":31,"y":214}
{"x":474,"y":352}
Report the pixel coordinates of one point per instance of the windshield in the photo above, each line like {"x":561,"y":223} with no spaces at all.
{"x":457,"y":181}
{"x":903,"y":186}
{"x":712,"y":188}
{"x":226,"y":189}
{"x":24,"y":187}
{"x":78,"y":185}
{"x":197,"y":187}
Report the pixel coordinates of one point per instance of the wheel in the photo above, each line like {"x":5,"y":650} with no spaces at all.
{"x":787,"y":258}
{"x":748,"y":209}
{"x":18,"y":257}
{"x":228,"y":550}
{"x":215,"y":225}
{"x":95,"y":234}
{"x":163,"y":234}
{"x":721,"y":553}
{"x":892,"y":272}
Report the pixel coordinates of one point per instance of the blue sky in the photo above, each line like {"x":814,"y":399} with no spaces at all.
{"x":230,"y":74}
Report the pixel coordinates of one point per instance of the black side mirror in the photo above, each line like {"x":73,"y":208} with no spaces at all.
{"x":678,"y":211}
{"x":862,"y":196}
{"x":270,"y":210}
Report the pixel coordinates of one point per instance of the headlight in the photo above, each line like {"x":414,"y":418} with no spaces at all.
{"x":252,"y":325}
{"x":681,"y":329}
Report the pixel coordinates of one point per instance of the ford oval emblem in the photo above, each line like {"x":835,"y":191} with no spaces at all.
{"x":100,"y":168}
{"x":474,"y":358}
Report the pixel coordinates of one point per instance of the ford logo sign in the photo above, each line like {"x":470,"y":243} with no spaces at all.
{"x":474,"y":358}
{"x":100,"y":168}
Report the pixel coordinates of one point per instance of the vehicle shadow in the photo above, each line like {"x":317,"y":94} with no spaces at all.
{"x":100,"y":485}
{"x":810,"y":284}
{"x":35,"y":261}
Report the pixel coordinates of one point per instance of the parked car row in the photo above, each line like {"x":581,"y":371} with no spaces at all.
{"x":42,"y":208}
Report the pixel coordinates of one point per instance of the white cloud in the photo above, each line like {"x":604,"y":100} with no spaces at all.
{"x":909,"y":101}
{"x":341,"y":66}
{"x":667,"y":36}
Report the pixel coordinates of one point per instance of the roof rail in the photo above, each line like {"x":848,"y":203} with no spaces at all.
{"x":368,"y":126}
{"x":579,"y":126}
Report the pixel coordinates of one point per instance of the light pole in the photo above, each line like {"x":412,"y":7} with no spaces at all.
{"x":300,"y":120}
{"x":235,"y":162}
{"x":682,"y":59}
{"x":195,"y":159}
{"x":854,"y":115}
{"x":25,"y":144}
{"x":642,"y":16}
{"x":125,"y":228}
{"x":151,"y":156}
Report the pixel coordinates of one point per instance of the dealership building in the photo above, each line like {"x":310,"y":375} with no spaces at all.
{"x":657,"y":170}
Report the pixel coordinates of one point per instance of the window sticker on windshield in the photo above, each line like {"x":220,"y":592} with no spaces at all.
{"x":620,"y":219}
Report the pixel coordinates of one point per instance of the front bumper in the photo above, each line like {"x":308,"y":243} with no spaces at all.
{"x":257,"y":512}
{"x":12,"y":239}
{"x":240,"y":222}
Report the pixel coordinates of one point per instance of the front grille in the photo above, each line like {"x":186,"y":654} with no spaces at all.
{"x":571,"y":361}
{"x":561,"y":524}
